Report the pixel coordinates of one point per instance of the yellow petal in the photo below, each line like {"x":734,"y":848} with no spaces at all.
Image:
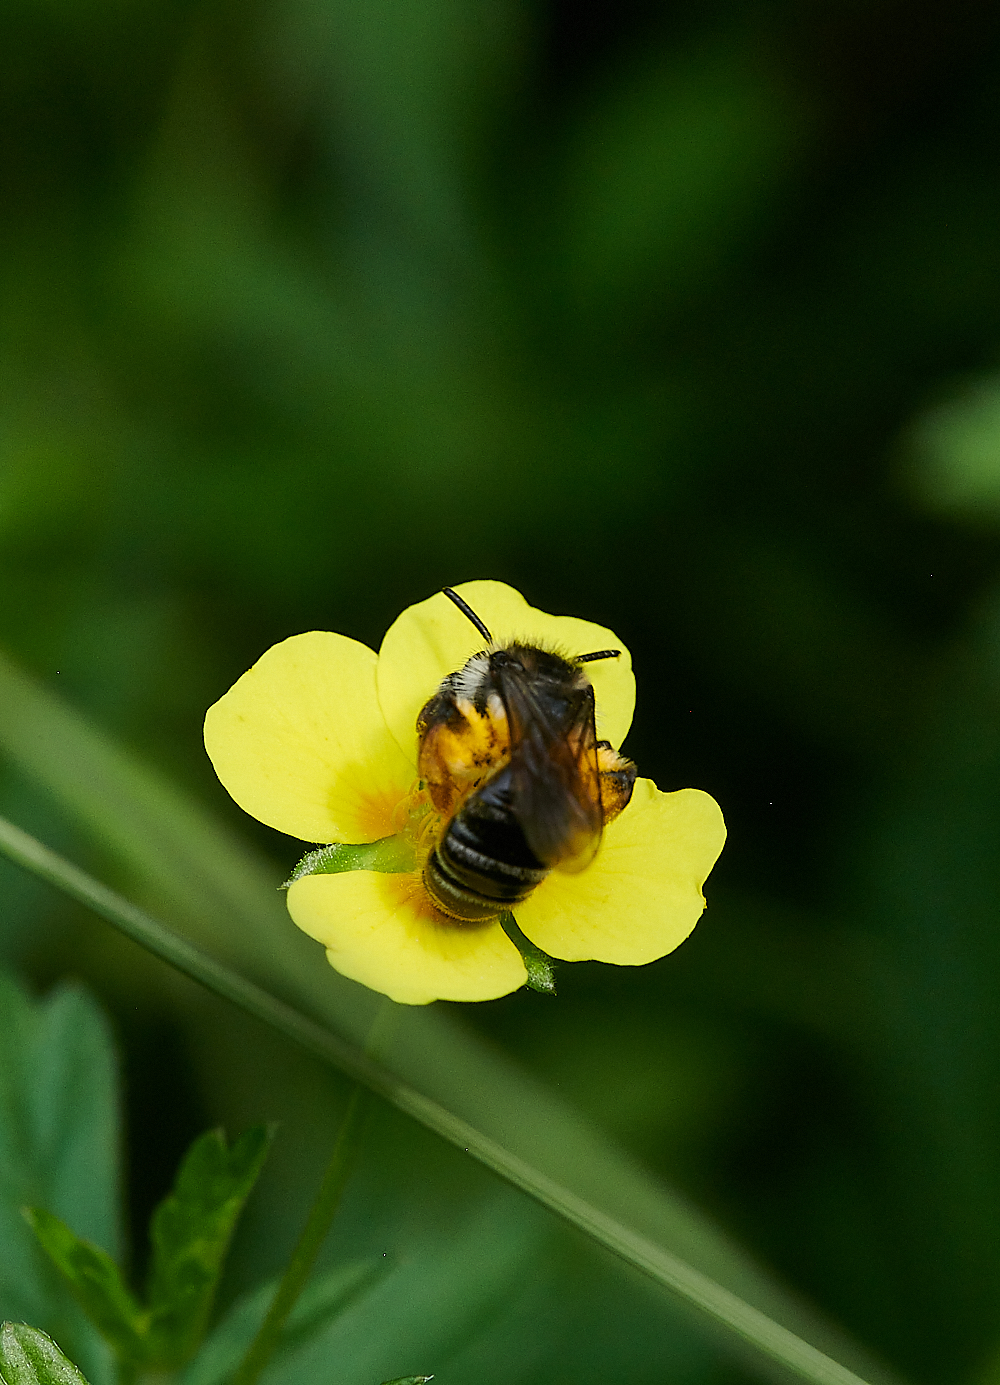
{"x":300,"y":742}
{"x":432,"y":639}
{"x":641,"y":897}
{"x":383,"y":931}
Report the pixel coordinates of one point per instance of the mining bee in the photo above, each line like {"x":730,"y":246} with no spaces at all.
{"x":510,"y":758}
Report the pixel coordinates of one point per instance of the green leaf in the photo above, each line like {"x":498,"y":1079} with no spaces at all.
{"x":59,"y":1148}
{"x":28,"y":1357}
{"x":409,"y":1380}
{"x":436,"y":1070}
{"x":96,"y":1282}
{"x":190,"y":1233}
{"x":389,"y":855}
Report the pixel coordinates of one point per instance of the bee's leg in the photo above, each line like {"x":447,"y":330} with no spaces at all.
{"x":617,"y":780}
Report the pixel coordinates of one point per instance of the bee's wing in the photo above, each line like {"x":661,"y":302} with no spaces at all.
{"x":555,"y":779}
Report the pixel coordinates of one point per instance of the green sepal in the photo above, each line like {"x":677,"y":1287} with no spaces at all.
{"x":538,"y":964}
{"x":390,"y":855}
{"x":96,"y":1283}
{"x":28,"y":1357}
{"x":190,"y":1233}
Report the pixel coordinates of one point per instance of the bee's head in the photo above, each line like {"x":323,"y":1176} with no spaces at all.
{"x":529,"y":660}
{"x":533,"y":662}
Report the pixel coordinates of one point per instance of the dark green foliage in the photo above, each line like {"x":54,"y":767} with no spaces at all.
{"x":190,"y":1234}
{"x":97,"y":1283}
{"x":28,"y":1357}
{"x":58,"y":1145}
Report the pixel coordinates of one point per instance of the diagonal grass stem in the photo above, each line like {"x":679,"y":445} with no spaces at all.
{"x":714,"y":1303}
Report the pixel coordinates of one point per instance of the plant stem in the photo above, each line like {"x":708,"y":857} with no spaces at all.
{"x":321,"y":1214}
{"x":314,"y":1233}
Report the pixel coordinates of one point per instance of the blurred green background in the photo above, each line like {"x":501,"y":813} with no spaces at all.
{"x":685,"y":319}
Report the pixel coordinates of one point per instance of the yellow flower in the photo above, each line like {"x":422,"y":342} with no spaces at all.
{"x":319,"y":740}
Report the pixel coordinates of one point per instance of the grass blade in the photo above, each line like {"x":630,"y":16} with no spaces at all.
{"x":717,"y":1303}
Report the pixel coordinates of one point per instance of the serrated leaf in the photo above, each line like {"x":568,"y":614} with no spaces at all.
{"x":29,"y":1357}
{"x":96,"y":1283}
{"x":190,"y":1234}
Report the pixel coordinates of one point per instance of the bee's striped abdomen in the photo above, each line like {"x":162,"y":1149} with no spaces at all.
{"x":483,"y":864}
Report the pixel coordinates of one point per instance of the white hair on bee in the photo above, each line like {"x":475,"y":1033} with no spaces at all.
{"x":469,"y":680}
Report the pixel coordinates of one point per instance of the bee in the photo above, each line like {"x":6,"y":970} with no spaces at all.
{"x":510,"y":758}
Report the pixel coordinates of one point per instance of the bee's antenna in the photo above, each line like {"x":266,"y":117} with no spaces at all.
{"x":597,"y":654}
{"x":467,"y":610}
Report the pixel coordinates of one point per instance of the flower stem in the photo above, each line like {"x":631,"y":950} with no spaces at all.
{"x":321,"y":1214}
{"x":538,"y":964}
{"x":314,"y":1233}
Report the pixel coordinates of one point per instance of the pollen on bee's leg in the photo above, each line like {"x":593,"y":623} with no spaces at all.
{"x":402,"y":811}
{"x":617,"y":779}
{"x":415,"y":818}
